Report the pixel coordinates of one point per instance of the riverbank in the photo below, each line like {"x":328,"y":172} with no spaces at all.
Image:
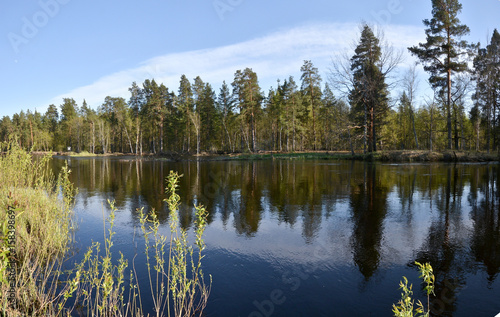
{"x":37,"y":220}
{"x":382,"y":156}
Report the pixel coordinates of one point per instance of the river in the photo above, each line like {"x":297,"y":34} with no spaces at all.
{"x":314,"y":237}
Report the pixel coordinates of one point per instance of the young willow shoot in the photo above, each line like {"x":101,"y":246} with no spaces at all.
{"x":189,"y":292}
{"x":180,"y":288}
{"x":405,"y":306}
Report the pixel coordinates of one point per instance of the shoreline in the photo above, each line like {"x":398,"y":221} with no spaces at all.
{"x":381,"y":156}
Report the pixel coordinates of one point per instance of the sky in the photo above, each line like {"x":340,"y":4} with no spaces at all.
{"x":55,"y":49}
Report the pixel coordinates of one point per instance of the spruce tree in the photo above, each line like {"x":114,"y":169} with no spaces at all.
{"x":369,"y":96}
{"x":225,"y":103}
{"x":487,"y":95}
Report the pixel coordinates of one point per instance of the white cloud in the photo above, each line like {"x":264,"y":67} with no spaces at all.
{"x":273,"y":57}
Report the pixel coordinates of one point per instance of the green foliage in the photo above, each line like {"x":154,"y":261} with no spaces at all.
{"x":443,"y":53}
{"x":96,"y":285}
{"x":311,"y":93}
{"x":249,"y":96}
{"x":42,"y":226}
{"x":487,"y":94}
{"x":292,"y":118}
{"x":369,"y":96}
{"x":189,"y":291}
{"x":174,"y":272}
{"x":406,"y":305}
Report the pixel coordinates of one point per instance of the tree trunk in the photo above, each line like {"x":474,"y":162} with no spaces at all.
{"x":462,"y":138}
{"x":478,"y":122}
{"x":140,"y":140}
{"x":31,"y":131}
{"x":128,"y":138}
{"x":456,"y":113}
{"x":93,"y":137}
{"x":373,"y":135}
{"x":448,"y":106}
{"x":313,"y":113}
{"x":198,"y":142}
{"x":365,"y":128}
{"x":161,"y":135}
{"x":350,"y":141}
{"x":430,"y":134}
{"x":414,"y":129}
{"x":137,"y":132}
{"x":252,"y":127}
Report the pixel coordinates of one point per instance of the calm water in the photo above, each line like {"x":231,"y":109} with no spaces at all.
{"x":315,"y":238}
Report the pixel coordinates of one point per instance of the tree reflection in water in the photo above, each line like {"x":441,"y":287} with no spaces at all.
{"x":449,"y":215}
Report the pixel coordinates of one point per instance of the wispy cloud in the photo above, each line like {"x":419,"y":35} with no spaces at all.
{"x":275,"y":56}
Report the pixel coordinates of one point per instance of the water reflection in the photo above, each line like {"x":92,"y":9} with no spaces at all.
{"x":371,"y":217}
{"x":368,"y":200}
{"x":486,"y":215}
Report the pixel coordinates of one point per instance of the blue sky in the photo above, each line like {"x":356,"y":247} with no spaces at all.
{"x":50,"y":49}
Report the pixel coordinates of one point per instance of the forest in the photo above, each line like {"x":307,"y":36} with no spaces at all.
{"x":356,"y":108}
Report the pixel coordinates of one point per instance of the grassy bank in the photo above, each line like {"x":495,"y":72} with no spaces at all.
{"x":383,"y":156}
{"x":36,"y":219}
{"x":427,"y":156}
{"x":37,"y":223}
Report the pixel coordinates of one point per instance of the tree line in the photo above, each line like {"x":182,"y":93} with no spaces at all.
{"x":297,"y":116}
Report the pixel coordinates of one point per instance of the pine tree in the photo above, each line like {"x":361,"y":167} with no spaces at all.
{"x":156,"y":111}
{"x":90,"y":119}
{"x":136,"y":103}
{"x":6,"y":129}
{"x":246,"y":88}
{"x":294,"y":110}
{"x":273,"y":105}
{"x":311,"y":91}
{"x":52,"y":117}
{"x":195,"y":113}
{"x":330,"y":115}
{"x":442,"y":54}
{"x":69,"y":112}
{"x":185,"y":103}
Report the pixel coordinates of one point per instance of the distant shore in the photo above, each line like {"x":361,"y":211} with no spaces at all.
{"x":382,"y":156}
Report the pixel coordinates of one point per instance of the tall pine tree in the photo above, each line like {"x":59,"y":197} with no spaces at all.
{"x":246,"y":88}
{"x":443,"y":53}
{"x":311,"y":91}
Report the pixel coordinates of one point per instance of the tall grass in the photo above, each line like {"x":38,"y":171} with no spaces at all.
{"x":36,"y":210}
{"x":36,"y":213}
